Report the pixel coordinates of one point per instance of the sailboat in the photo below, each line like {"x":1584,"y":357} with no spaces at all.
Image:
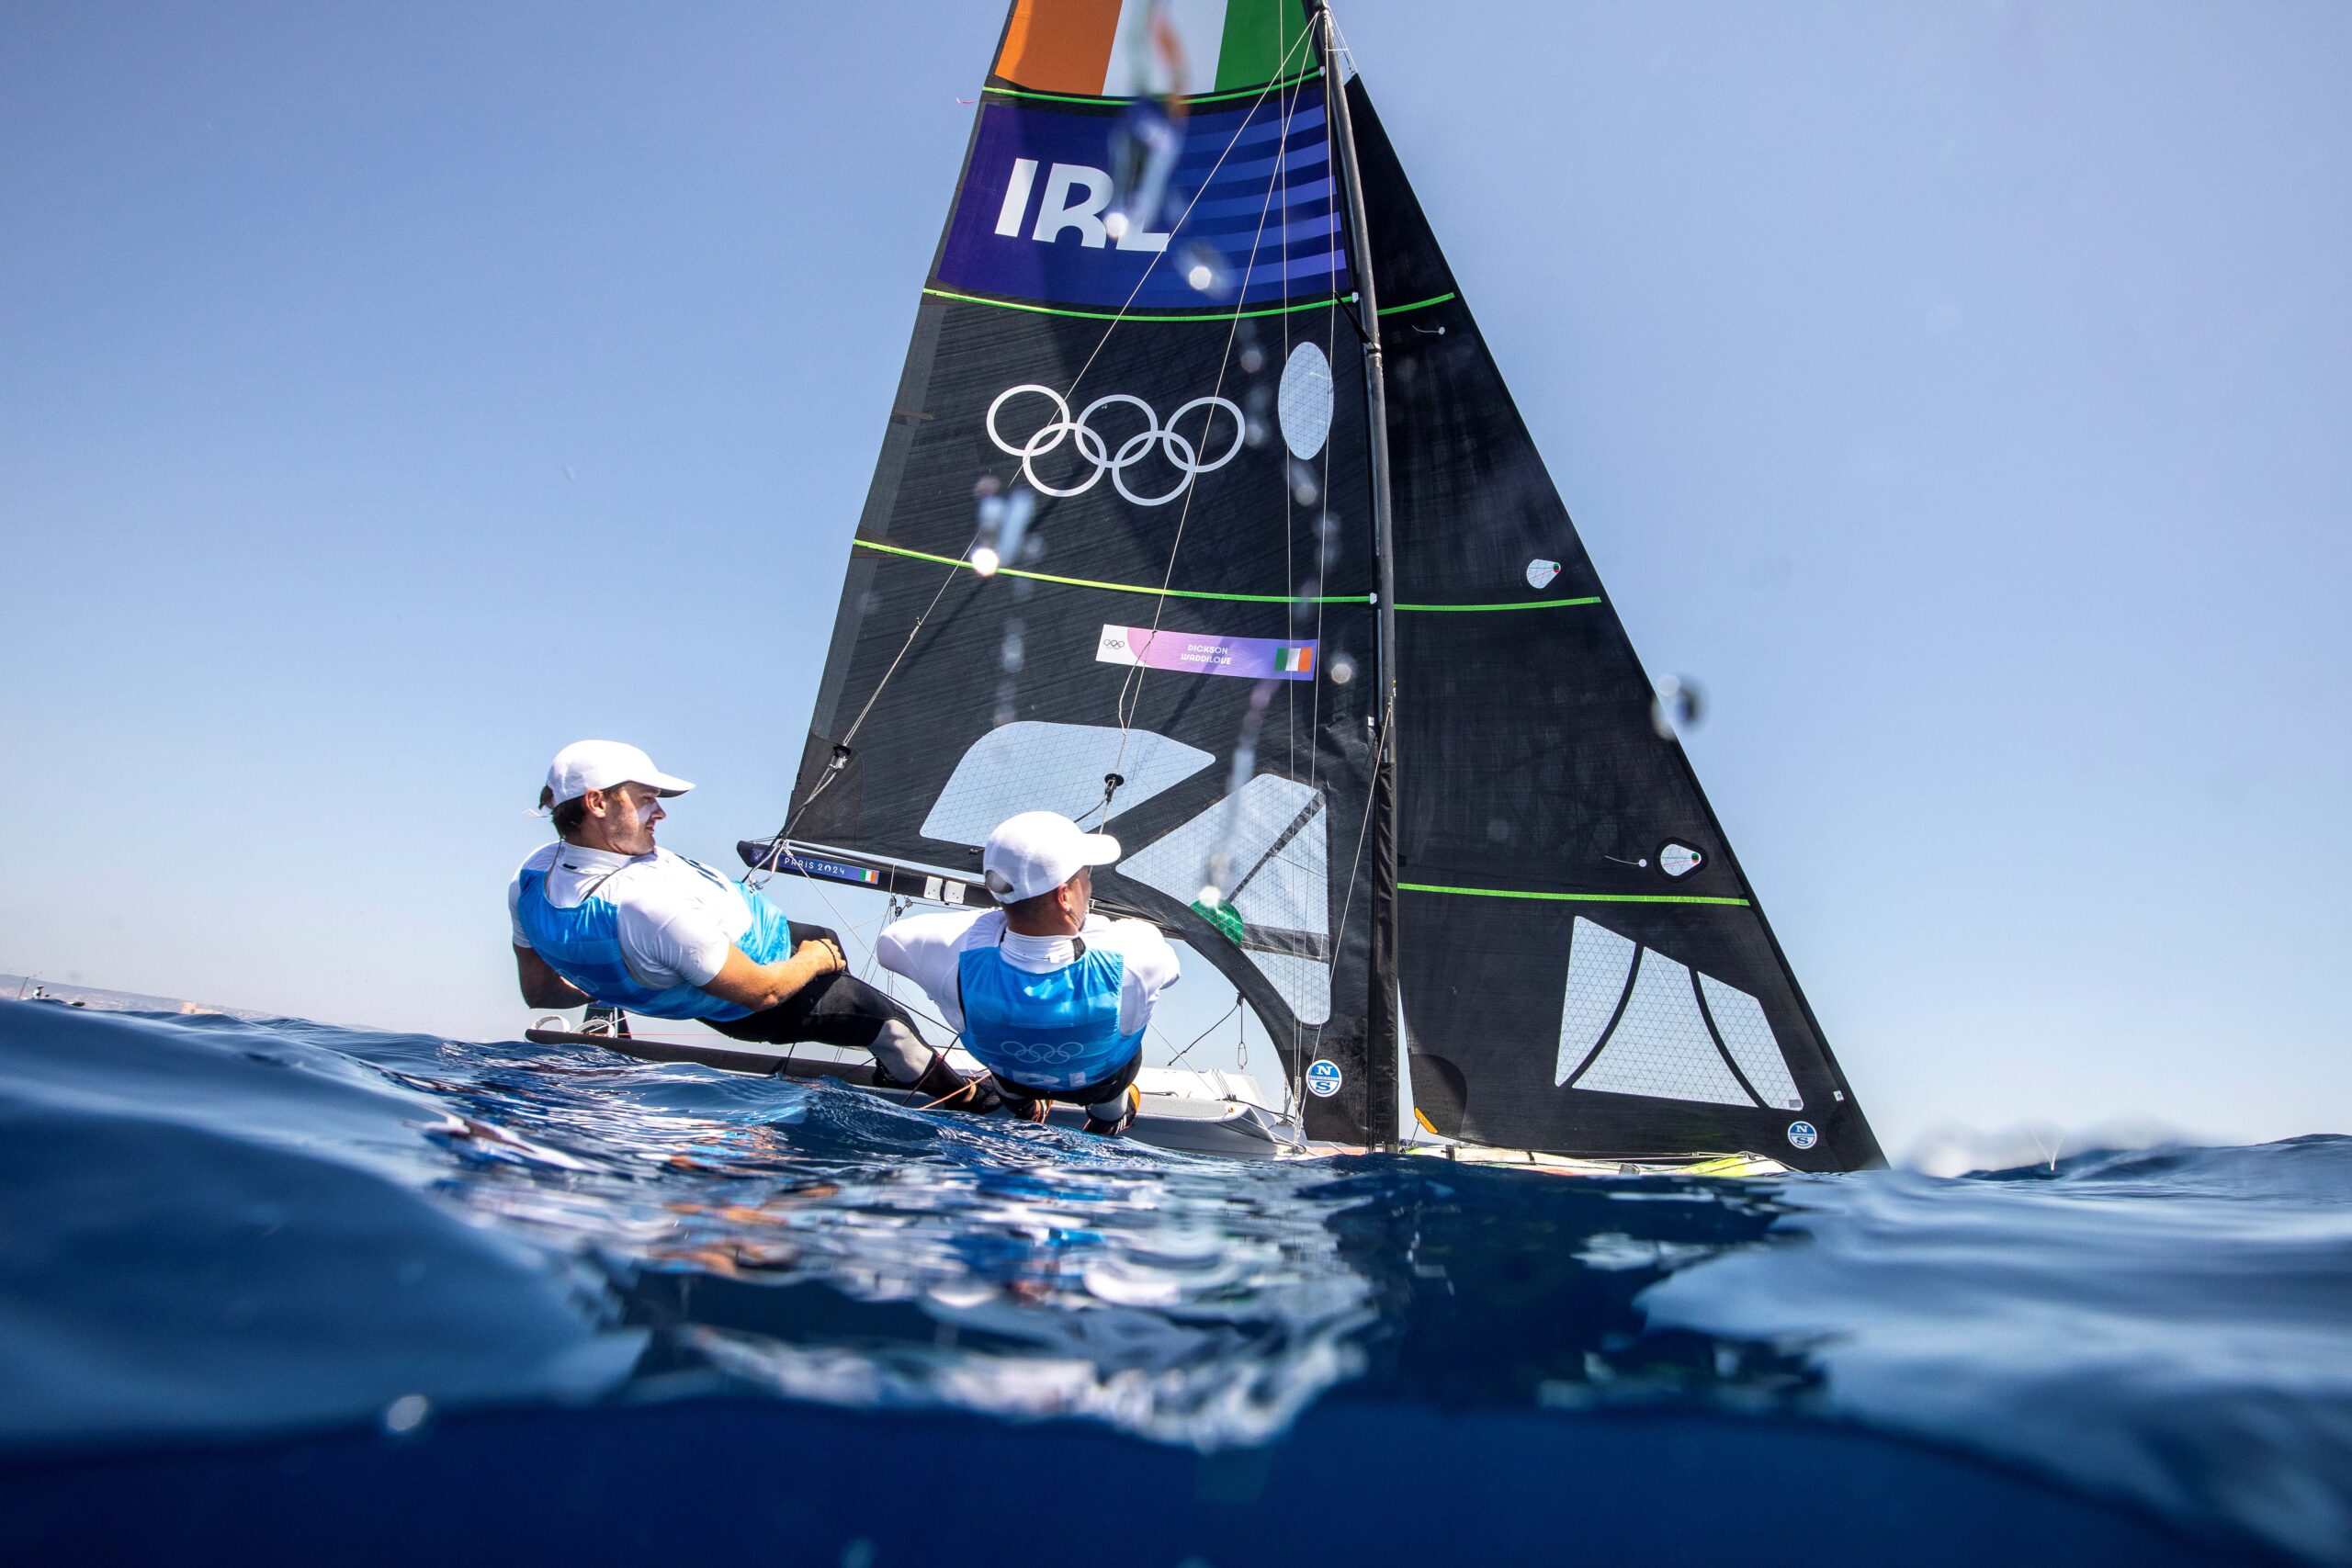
{"x":1203,"y":516}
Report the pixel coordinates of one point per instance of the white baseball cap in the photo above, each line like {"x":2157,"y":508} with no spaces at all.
{"x":600,"y":764}
{"x":1037,"y":851}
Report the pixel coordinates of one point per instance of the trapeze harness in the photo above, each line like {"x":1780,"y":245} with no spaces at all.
{"x":583,"y":945}
{"x":1057,"y":1031}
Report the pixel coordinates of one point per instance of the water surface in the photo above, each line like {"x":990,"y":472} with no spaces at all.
{"x":235,"y":1251}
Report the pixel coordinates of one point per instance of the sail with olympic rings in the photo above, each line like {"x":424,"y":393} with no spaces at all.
{"x":1120,"y":559}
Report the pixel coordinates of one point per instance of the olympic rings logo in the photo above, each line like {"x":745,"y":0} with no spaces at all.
{"x":1090,"y":446}
{"x":1038,"y":1053}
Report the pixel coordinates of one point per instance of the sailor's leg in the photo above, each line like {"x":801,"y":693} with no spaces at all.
{"x":841,"y":1009}
{"x":1111,"y":1106}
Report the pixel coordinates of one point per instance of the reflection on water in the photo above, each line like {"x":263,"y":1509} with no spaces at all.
{"x":769,"y":1234}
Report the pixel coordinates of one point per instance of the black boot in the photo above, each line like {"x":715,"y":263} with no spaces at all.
{"x":1022,"y":1108}
{"x":942,"y":1088}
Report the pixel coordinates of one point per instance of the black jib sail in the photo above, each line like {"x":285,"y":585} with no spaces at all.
{"x":1120,"y":561}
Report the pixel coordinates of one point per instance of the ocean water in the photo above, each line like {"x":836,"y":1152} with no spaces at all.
{"x":305,"y":1293}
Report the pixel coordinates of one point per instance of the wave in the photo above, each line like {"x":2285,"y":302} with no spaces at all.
{"x":220,"y":1229}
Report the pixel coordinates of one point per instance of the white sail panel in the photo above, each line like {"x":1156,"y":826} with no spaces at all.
{"x":1661,"y":1048}
{"x":1739,"y":1019}
{"x":1034,"y":766}
{"x":1599,"y":962}
{"x":1273,"y":838}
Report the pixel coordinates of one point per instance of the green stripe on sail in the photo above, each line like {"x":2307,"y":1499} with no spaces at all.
{"x":1323,"y":303}
{"x":1522,"y":604}
{"x":1201,"y":592}
{"x":1251,"y":92}
{"x":1573,"y":897}
{"x":1161,"y":316}
{"x":1120,"y":587}
{"x":1418,"y":304}
{"x":1258,"y":36}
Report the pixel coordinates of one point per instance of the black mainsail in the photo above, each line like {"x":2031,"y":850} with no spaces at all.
{"x":1123,"y":557}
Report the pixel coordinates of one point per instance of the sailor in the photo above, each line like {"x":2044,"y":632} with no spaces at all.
{"x":605,"y":915}
{"x":1052,"y":999}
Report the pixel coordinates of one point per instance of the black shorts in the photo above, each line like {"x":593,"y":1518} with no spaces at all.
{"x":831,"y":1009}
{"x":1094,"y":1093}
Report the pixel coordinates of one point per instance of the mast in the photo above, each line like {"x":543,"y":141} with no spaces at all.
{"x":1385,"y":1016}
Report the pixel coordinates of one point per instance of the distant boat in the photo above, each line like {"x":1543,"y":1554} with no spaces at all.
{"x":1203,"y":515}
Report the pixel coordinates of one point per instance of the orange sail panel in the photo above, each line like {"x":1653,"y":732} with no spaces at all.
{"x":1059,"y":46}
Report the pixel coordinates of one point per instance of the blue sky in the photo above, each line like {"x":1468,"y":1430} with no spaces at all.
{"x":1962,"y":394}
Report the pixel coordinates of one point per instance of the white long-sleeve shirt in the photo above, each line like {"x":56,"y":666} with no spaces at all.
{"x":677,"y":923}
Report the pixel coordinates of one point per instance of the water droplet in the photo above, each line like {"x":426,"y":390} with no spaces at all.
{"x":984,"y":561}
{"x":1678,"y":706}
{"x":1010,"y":655}
{"x":406,"y":1414}
{"x":1498,"y":830}
{"x":1304,"y":610}
{"x":858,"y":1553}
{"x":1204,"y":267}
{"x":1306,"y":488}
{"x":1341,"y":669}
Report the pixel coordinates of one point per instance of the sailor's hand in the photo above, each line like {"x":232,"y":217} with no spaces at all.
{"x":825,"y":957}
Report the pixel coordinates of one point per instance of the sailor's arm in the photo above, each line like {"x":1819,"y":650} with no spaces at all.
{"x":1151,"y":967}
{"x":542,"y":986}
{"x":924,"y":949}
{"x":762,"y":985}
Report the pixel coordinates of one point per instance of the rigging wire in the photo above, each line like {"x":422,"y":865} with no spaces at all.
{"x":1131,"y":685}
{"x":839,"y":759}
{"x":1204,"y":1033}
{"x":1355,"y":864}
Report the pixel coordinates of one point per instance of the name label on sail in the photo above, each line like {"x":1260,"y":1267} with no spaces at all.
{"x":1237,"y":206}
{"x":1206,"y":653}
{"x":832,"y":870}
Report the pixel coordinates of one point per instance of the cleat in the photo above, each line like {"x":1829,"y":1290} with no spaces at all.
{"x":1130,"y":1103}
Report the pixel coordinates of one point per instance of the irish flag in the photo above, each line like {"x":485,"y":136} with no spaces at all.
{"x":1297,"y":661}
{"x":1133,"y":48}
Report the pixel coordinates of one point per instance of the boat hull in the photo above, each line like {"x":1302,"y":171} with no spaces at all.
{"x":1193,"y":1112}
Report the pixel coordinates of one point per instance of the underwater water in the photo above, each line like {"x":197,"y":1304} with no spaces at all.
{"x":294,"y":1289}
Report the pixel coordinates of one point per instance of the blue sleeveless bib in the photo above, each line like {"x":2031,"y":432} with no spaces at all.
{"x":583,"y":945}
{"x":1058,"y":1030}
